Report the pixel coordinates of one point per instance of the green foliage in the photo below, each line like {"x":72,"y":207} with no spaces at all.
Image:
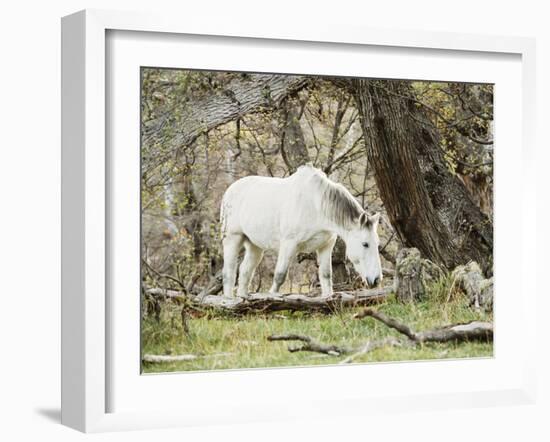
{"x":462,"y":114}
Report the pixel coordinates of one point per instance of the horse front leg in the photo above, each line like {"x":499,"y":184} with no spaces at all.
{"x":286,"y":252}
{"x":324,"y":259}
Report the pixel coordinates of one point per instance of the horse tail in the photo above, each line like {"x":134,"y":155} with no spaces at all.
{"x":223,"y":215}
{"x":223,"y":220}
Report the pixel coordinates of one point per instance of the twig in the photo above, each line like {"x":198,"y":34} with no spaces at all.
{"x":163,"y":275}
{"x":455,"y":124}
{"x":310,"y":345}
{"x":387,"y":242}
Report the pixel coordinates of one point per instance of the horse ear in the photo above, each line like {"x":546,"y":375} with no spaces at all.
{"x":374,"y":219}
{"x":363,"y":219}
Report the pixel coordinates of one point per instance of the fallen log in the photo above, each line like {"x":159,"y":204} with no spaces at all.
{"x":471,"y":331}
{"x":269,"y":302}
{"x":155,"y":359}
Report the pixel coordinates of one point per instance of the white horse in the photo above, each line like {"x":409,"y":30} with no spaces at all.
{"x":304,"y":212}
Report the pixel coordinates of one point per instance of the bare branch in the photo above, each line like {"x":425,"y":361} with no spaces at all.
{"x":310,"y":344}
{"x":471,"y":331}
{"x":256,"y":92}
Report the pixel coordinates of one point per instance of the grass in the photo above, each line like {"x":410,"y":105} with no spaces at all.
{"x":243,"y":339}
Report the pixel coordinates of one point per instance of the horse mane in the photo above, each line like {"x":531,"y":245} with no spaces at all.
{"x":337,"y":203}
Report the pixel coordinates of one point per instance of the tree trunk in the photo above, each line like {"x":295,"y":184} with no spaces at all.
{"x":428,"y":206}
{"x":293,"y":143}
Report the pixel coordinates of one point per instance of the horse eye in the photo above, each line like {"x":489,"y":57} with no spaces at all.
{"x":365,"y":245}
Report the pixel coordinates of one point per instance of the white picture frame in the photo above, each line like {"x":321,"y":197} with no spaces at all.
{"x":85,"y":202}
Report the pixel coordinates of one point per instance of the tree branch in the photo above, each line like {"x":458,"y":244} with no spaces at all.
{"x":243,"y":95}
{"x":471,"y":331}
{"x":310,"y":344}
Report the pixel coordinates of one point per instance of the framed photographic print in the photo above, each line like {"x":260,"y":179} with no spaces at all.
{"x":285,"y":222}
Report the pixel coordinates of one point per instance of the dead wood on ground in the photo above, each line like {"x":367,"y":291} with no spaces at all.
{"x":471,"y":331}
{"x":156,"y":359}
{"x":310,"y":344}
{"x":269,"y":302}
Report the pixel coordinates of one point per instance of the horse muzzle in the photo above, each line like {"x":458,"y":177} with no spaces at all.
{"x":373,"y":282}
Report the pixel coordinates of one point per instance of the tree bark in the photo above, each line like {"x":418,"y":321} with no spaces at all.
{"x":342,"y":274}
{"x":428,"y":206}
{"x":413,"y":274}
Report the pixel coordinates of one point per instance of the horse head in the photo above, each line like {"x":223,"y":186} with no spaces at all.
{"x":362,"y":248}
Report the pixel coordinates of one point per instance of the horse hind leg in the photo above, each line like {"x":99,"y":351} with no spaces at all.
{"x":252,"y":257}
{"x":286,"y":252}
{"x":232,"y":245}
